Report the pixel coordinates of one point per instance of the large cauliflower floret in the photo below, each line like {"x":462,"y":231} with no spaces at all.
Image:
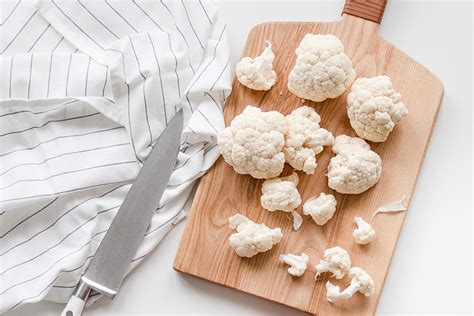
{"x":253,"y":143}
{"x":374,"y":107}
{"x":320,"y":208}
{"x":257,"y":73}
{"x":336,"y":260}
{"x":251,"y":238}
{"x":322,"y":69}
{"x":355,"y":168}
{"x":305,"y":139}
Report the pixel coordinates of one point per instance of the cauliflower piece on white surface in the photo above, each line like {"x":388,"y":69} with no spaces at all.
{"x":355,"y":168}
{"x":251,"y":238}
{"x":364,"y":233}
{"x":336,"y":260}
{"x":281,"y":194}
{"x":322,"y":69}
{"x":305,"y":139}
{"x":320,"y":208}
{"x":361,"y":282}
{"x":253,"y":143}
{"x":257,"y":73}
{"x":374,"y":107}
{"x":298,"y":263}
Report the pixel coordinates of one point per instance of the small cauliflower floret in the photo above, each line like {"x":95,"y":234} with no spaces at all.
{"x":364,"y":233}
{"x":281,"y":194}
{"x":320,"y":208}
{"x":305,"y":139}
{"x":336,"y":260}
{"x":251,"y":238}
{"x":361,"y":282}
{"x":322,"y":69}
{"x":253,"y":143}
{"x":257,"y":73}
{"x":355,"y":168}
{"x":374,"y":107}
{"x":298,"y":263}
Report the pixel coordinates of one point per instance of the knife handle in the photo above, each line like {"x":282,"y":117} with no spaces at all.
{"x":77,"y":301}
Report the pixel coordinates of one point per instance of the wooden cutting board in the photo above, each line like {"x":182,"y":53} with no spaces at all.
{"x":204,"y":250}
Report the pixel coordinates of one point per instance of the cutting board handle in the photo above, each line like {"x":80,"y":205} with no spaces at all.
{"x":371,"y":10}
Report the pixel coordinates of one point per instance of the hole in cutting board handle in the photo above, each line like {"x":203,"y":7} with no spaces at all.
{"x":371,"y":10}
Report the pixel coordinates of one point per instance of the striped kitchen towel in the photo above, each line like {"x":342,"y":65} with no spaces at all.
{"x":86,"y":87}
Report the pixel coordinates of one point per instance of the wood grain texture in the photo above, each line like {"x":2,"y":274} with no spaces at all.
{"x":204,"y":251}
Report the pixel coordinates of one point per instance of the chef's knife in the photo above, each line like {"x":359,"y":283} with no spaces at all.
{"x":120,"y":243}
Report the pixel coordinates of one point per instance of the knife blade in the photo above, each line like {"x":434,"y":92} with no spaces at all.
{"x":115,"y":253}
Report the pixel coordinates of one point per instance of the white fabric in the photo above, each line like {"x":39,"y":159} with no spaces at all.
{"x":86,"y":87}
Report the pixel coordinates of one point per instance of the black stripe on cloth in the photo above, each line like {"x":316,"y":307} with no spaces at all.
{"x":191,"y":24}
{"x":61,"y":216}
{"x":68,"y":72}
{"x":180,"y":32}
{"x":68,"y":191}
{"x":144,"y":90}
{"x":55,"y":279}
{"x":175,"y":64}
{"x":49,"y":74}
{"x":87,"y":76}
{"x":221,"y":73}
{"x":39,"y":37}
{"x":61,"y":155}
{"x":214,"y":100}
{"x":188,"y":159}
{"x":49,"y":122}
{"x":57,"y":244}
{"x":121,"y":16}
{"x":99,"y":21}
{"x":105,"y":81}
{"x":67,"y":172}
{"x":10,"y":14}
{"x":130,"y":124}
{"x":28,"y":217}
{"x":72,"y":270}
{"x":19,"y":32}
{"x":40,"y":112}
{"x":207,"y":120}
{"x":161,"y":79}
{"x":146,"y":14}
{"x":209,"y":63}
{"x":60,"y":137}
{"x":57,"y":45}
{"x":29,"y":77}
{"x":205,"y":12}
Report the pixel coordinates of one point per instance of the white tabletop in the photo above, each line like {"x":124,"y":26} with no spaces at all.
{"x":431,"y":270}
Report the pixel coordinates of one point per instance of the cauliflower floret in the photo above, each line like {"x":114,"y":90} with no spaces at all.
{"x":251,"y":238}
{"x":305,"y":139}
{"x":355,"y":168}
{"x":374,"y":107}
{"x":361,"y":282}
{"x":253,"y":143}
{"x":298,"y":263}
{"x":320,"y":208}
{"x":257,"y":73}
{"x":281,"y":194}
{"x":364,"y":233}
{"x":336,"y":260}
{"x":322,"y":69}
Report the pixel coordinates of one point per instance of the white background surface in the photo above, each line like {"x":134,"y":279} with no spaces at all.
{"x":432,"y":268}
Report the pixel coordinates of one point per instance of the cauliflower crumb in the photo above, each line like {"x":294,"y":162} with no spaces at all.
{"x":361,"y":282}
{"x":251,"y":238}
{"x":322,"y":69}
{"x":298,"y":263}
{"x":374,"y":107}
{"x":257,"y":73}
{"x":253,"y":143}
{"x":336,"y":260}
{"x":320,"y":208}
{"x":305,"y":139}
{"x":364,"y":233}
{"x":355,"y":168}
